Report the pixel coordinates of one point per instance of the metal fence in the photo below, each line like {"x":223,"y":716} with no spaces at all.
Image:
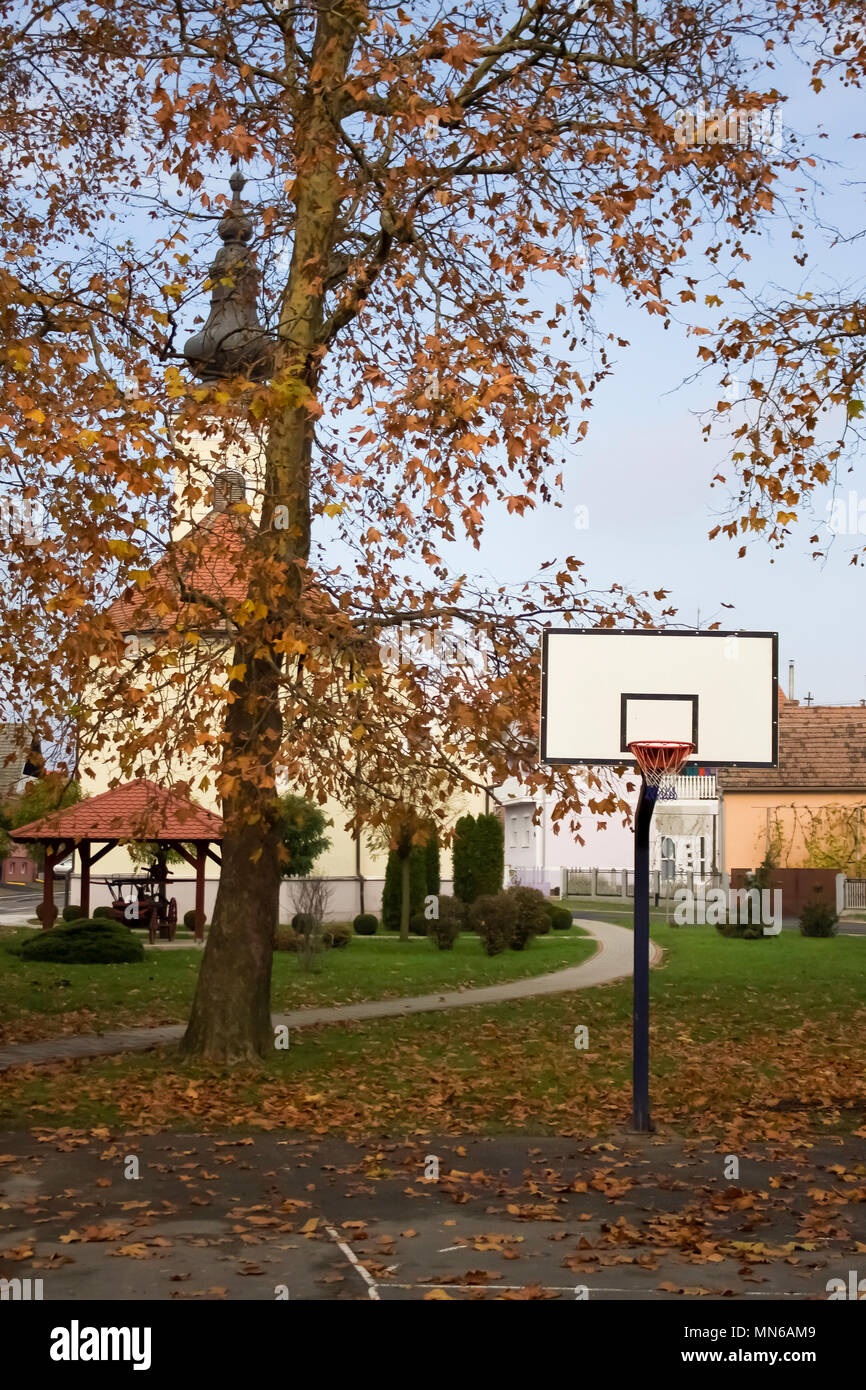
{"x":619,"y":883}
{"x":855,"y":892}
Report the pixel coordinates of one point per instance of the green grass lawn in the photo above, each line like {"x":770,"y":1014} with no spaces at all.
{"x":41,"y":1000}
{"x":751,"y":1040}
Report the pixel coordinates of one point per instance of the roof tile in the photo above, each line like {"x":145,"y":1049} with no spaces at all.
{"x":138,"y":810}
{"x":821,"y":748}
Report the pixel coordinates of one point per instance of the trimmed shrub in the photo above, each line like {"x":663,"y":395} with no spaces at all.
{"x":189,"y":919}
{"x":819,"y":919}
{"x":489,"y":854}
{"x":478,"y":857}
{"x":334,"y":935}
{"x":494,"y":917}
{"x":106,"y":912}
{"x":418,"y":924}
{"x":531,"y":916}
{"x":88,"y":941}
{"x":72,"y":913}
{"x":547,"y":924}
{"x":453,"y":907}
{"x":560,"y":917}
{"x":445,"y":929}
{"x":365,"y":924}
{"x":463,"y":859}
{"x":745,"y":931}
{"x":303,"y":922}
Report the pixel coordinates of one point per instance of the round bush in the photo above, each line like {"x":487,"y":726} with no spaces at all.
{"x":494,"y":917}
{"x":443,"y":932}
{"x":532,"y":918}
{"x":819,"y":919}
{"x":365,"y":924}
{"x":418,"y":924}
{"x":303,"y":922}
{"x":104,"y":912}
{"x":285,"y":938}
{"x":89,"y":941}
{"x":560,"y":917}
{"x":72,"y":913}
{"x":445,"y":928}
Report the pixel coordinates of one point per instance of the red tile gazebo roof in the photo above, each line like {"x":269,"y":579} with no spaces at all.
{"x":139,"y":810}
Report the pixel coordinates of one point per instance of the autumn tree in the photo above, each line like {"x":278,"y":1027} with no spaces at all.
{"x":438,"y":198}
{"x":793,"y":360}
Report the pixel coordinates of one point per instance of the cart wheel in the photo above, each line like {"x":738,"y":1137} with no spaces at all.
{"x":172,"y":918}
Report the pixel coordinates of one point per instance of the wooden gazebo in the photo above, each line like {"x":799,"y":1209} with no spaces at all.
{"x":136,"y":811}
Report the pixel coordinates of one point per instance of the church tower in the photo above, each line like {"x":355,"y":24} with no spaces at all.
{"x":226,"y":462}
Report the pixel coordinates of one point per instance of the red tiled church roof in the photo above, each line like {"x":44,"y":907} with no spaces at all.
{"x":210,"y":568}
{"x":821,"y":748}
{"x":138,"y":810}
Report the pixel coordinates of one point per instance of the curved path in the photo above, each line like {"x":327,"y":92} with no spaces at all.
{"x":612,"y":960}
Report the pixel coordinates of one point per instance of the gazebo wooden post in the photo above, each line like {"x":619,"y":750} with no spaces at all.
{"x":200,"y":862}
{"x":84,"y":856}
{"x":49,"y":911}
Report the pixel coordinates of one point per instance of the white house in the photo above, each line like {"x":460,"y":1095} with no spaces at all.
{"x":684,"y":837}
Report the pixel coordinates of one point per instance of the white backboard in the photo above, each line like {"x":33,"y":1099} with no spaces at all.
{"x":603,"y":688}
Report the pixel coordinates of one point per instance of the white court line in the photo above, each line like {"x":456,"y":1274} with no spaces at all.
{"x":372,"y":1288}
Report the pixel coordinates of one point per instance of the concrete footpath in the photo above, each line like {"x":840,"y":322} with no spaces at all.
{"x":611,"y":961}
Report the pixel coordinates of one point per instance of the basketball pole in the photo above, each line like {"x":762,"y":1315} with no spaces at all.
{"x":640,"y":1037}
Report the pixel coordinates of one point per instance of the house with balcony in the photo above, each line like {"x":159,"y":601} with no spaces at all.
{"x":543,"y":854}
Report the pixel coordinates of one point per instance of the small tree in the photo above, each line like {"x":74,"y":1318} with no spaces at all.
{"x":302,"y":834}
{"x":311,"y":898}
{"x":52,"y":792}
{"x":414,"y":867}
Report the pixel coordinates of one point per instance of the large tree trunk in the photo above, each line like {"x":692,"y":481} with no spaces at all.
{"x":231,"y":1012}
{"x":230,"y":1019}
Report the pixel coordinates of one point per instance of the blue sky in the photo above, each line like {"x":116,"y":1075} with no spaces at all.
{"x":644,"y":472}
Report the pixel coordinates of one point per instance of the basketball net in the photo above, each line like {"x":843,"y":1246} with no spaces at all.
{"x":660,"y":760}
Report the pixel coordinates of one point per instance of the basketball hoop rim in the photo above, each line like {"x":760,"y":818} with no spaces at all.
{"x":659,"y":758}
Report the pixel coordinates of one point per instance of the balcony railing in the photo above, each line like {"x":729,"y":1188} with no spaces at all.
{"x":694,"y":788}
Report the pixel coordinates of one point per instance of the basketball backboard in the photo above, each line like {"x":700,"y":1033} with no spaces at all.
{"x":604,"y":688}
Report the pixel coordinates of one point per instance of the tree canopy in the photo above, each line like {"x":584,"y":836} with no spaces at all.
{"x":440,"y":198}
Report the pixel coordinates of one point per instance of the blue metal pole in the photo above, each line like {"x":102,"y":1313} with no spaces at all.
{"x":640,"y":1038}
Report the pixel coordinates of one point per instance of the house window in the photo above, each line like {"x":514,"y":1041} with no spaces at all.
{"x":669,"y":858}
{"x":527,"y":840}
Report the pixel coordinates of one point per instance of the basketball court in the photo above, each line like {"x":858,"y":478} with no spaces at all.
{"x":268,"y":1217}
